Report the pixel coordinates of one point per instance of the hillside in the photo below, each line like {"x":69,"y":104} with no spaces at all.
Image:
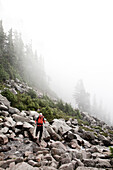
{"x":78,"y":141}
{"x":71,"y":139}
{"x":18,"y":60}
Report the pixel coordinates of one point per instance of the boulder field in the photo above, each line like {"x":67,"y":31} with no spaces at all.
{"x":66,"y":145}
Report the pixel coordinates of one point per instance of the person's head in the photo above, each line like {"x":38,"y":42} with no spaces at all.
{"x":40,"y":114}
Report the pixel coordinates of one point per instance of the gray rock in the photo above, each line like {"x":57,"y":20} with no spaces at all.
{"x":13,"y":91}
{"x":33,"y":114}
{"x":46,"y":135}
{"x":65,"y":159}
{"x":100,"y":163}
{"x":13,"y":110}
{"x":89,"y":162}
{"x":3,"y":139}
{"x":4,"y":130}
{"x":17,"y":87}
{"x":17,"y":80}
{"x":3,"y":107}
{"x":5,"y":164}
{"x":58,"y":145}
{"x":68,"y":166}
{"x":10,"y":122}
{"x":33,"y":163}
{"x":92,"y":149}
{"x":23,"y":113}
{"x":24,"y":166}
{"x":74,"y":144}
{"x":52,"y":133}
{"x":60,"y":126}
{"x":27,"y":125}
{"x":75,"y":154}
{"x":57,"y":151}
{"x":19,"y":125}
{"x":69,"y":136}
{"x":83,"y":142}
{"x":4,"y":113}
{"x":19,"y":118}
{"x":74,"y":122}
{"x":88,"y":135}
{"x":98,"y":155}
{"x":4,"y":101}
{"x":86,"y":155}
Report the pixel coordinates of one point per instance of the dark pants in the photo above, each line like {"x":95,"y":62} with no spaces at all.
{"x":39,"y":128}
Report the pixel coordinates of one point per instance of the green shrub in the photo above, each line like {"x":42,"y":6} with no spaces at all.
{"x":80,"y":122}
{"x":86,"y":129}
{"x":111,"y":150}
{"x":77,"y":114}
{"x":32,"y":93}
{"x":110,"y":131}
{"x":21,"y":106}
{"x":10,"y":96}
{"x":3,"y":74}
{"x":47,"y":112}
{"x":104,"y":134}
{"x":42,"y":103}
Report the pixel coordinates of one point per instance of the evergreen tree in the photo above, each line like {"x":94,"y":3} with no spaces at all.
{"x":2,"y":42}
{"x":19,"y":53}
{"x":10,"y":48}
{"x":82,"y":98}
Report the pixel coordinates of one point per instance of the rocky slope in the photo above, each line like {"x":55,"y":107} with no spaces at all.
{"x":66,"y":145}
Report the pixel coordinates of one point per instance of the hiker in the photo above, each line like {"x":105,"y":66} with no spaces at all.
{"x":39,"y":122}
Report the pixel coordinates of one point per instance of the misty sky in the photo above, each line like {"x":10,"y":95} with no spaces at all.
{"x":74,"y":37}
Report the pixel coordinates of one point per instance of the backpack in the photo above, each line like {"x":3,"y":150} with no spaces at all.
{"x":40,"y":120}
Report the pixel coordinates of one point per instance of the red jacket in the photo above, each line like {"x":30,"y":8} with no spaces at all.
{"x":40,"y":120}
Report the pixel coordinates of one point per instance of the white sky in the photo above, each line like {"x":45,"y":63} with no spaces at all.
{"x":74,"y":36}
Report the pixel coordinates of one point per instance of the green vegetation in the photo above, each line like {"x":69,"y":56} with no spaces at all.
{"x":110,"y":131}
{"x":18,"y":60}
{"x":86,"y":128}
{"x":80,"y":122}
{"x":104,"y":134}
{"x":111,"y":150}
{"x":51,"y":110}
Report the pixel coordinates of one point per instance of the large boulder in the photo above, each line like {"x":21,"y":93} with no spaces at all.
{"x":46,"y":135}
{"x":33,"y":114}
{"x":10,"y":122}
{"x":100,"y":163}
{"x":88,"y":118}
{"x":19,"y":118}
{"x":87,"y":135}
{"x":52,"y":133}
{"x":58,"y":144}
{"x":3,"y":100}
{"x":105,"y":140}
{"x":13,"y":110}
{"x":27,"y":125}
{"x":60,"y":126}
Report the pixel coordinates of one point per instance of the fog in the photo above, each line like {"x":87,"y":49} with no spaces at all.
{"x":76,"y":40}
